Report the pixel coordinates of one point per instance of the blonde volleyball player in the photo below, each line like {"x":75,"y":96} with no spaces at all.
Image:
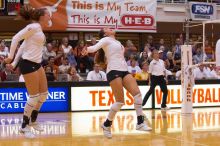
{"x":30,"y":67}
{"x":118,"y":77}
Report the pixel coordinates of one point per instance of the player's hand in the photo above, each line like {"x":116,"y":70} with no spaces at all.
{"x":7,"y":60}
{"x":9,"y":67}
{"x":149,"y":82}
{"x":84,"y":51}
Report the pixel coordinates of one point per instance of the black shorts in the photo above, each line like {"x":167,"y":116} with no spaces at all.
{"x":27,"y":66}
{"x":115,"y":74}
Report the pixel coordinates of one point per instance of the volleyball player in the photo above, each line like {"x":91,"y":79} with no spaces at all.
{"x":118,"y":77}
{"x":157,"y":75}
{"x":30,"y":67}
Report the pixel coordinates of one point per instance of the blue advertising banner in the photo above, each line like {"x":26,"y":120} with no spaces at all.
{"x":203,"y":11}
{"x":13,"y":100}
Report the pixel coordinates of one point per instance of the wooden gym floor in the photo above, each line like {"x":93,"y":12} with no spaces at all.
{"x":170,"y":128}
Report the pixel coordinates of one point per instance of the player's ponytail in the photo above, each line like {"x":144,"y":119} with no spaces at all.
{"x":100,"y":55}
{"x":28,"y":13}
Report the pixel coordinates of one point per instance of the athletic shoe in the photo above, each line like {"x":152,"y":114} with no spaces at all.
{"x":27,"y":132}
{"x":165,"y":108}
{"x":143,"y":127}
{"x":36,"y":126}
{"x":106,"y":131}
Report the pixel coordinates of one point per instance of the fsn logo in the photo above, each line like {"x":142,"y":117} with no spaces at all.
{"x":203,"y":9}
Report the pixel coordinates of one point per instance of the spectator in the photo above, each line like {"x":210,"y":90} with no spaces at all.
{"x":47,"y":52}
{"x":169,"y":75}
{"x":177,"y":58}
{"x":54,"y":67}
{"x":4,"y":47}
{"x":213,"y":74}
{"x":200,"y":73}
{"x":150,"y":42}
{"x":96,"y":74}
{"x":132,"y":57}
{"x":59,"y":55}
{"x":129,"y":49}
{"x":143,"y":75}
{"x":198,"y":58}
{"x":83,"y":62}
{"x":92,"y":55}
{"x":161,"y":54}
{"x":3,"y":51}
{"x":55,"y":45}
{"x":170,"y":61}
{"x":209,"y":51}
{"x":178,"y":46}
{"x":148,"y":52}
{"x":144,"y":58}
{"x":63,"y":69}
{"x":65,"y":45}
{"x":73,"y":75}
{"x":164,"y":53}
{"x":160,"y":44}
{"x":2,"y":75}
{"x":133,"y":69}
{"x":71,"y":58}
{"x":49,"y":73}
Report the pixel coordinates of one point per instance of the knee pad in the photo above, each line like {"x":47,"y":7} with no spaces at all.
{"x":138,"y":99}
{"x":138,"y":104}
{"x":116,"y":106}
{"x":43,"y":97}
{"x":33,"y":100}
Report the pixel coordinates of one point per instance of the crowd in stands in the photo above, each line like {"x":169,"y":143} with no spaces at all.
{"x":64,"y":62}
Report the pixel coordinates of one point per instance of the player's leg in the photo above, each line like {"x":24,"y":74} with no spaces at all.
{"x":31,"y":82}
{"x":117,"y":89}
{"x":131,"y":86}
{"x":164,"y":89}
{"x":43,"y":91}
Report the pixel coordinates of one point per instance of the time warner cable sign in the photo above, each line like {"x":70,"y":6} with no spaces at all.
{"x":14,"y":99}
{"x":202,"y":11}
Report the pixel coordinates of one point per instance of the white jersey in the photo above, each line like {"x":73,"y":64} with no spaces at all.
{"x":157,"y":68}
{"x":114,"y":52}
{"x":32,"y":47}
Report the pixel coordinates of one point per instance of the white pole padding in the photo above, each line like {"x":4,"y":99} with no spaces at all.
{"x":187,"y":79}
{"x":217,"y":53}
